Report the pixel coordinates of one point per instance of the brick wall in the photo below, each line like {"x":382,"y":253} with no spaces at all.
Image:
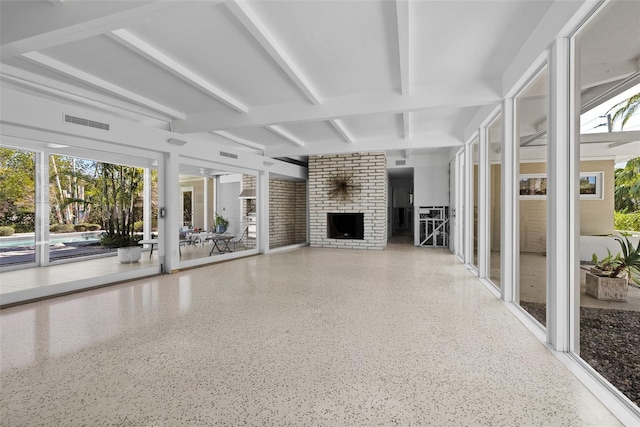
{"x":287,"y":212}
{"x":369,"y":197}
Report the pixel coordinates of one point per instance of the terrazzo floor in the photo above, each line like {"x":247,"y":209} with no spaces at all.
{"x":404,"y":336}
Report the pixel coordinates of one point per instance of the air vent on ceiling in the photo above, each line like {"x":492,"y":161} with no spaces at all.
{"x":85,"y":122}
{"x":401,"y":162}
{"x":225,"y":154}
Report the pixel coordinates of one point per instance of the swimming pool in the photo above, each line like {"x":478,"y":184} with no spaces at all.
{"x":26,"y":240}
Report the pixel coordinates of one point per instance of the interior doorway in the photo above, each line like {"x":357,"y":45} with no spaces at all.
{"x":401,"y":212}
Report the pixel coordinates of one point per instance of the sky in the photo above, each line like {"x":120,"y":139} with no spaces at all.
{"x":590,"y":121}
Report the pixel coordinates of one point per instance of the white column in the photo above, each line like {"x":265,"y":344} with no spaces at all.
{"x":561,"y":176}
{"x":483,"y":203}
{"x":262,"y":209}
{"x":206,"y":203}
{"x":509,"y":255}
{"x":168,"y":247}
{"x":43,"y":208}
{"x":468,"y":202}
{"x":146,"y":204}
{"x":460,"y":209}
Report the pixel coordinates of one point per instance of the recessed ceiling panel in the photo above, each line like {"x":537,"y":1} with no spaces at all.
{"x":211,"y":42}
{"x":436,"y":120}
{"x":343,"y":47}
{"x":464,"y":41}
{"x":258,"y":135}
{"x":312,"y":131}
{"x":371,"y":126}
{"x":613,"y":35}
{"x":108,"y":60}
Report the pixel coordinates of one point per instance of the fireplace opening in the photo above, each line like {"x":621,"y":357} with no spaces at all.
{"x":345,"y":226}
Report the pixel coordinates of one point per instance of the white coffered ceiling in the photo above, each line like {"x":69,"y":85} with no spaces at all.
{"x":283,"y":78}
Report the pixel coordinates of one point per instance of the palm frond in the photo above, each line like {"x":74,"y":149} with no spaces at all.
{"x":624,"y":110}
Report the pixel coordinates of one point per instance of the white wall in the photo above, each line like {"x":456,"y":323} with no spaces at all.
{"x":431,"y":186}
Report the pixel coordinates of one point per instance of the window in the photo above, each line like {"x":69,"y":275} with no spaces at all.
{"x":534,"y":186}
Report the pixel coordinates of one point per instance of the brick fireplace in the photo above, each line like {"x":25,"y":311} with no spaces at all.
{"x":368,"y":197}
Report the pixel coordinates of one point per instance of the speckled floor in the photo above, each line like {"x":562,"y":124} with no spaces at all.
{"x":405,"y":336}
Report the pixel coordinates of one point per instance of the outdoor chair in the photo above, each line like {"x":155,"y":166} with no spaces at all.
{"x":239,"y":239}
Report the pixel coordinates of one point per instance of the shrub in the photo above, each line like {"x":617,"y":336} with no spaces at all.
{"x":21,"y":221}
{"x":7,"y":231}
{"x":62,"y":228}
{"x":138,"y":226}
{"x":86,"y":227}
{"x":119,"y":241}
{"x":626,"y":221}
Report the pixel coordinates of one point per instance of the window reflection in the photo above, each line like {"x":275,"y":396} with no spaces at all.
{"x":531,"y":111}
{"x":606,"y":158}
{"x":494,"y":139}
{"x":474,"y":186}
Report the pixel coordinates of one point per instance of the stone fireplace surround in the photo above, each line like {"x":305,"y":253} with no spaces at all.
{"x":369,"y":196}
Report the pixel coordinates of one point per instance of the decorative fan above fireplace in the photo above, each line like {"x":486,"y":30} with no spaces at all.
{"x":341,"y":186}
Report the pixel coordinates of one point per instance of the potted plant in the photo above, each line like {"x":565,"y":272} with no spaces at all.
{"x":611,"y":276}
{"x":604,"y":266}
{"x":221,"y":224}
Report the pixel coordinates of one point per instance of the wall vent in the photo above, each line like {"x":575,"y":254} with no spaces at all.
{"x":401,"y":162}
{"x":225,"y":154}
{"x":85,"y":122}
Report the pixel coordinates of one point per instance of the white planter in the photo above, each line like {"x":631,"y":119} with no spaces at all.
{"x":130,"y":254}
{"x":607,"y":288}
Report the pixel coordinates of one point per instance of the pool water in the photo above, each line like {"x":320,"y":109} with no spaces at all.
{"x":21,"y":242}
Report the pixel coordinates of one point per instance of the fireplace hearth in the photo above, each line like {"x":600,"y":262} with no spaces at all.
{"x":345,"y":226}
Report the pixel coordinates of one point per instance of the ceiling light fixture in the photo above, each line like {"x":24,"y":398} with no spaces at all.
{"x":174,"y":141}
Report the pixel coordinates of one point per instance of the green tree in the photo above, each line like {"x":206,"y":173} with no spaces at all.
{"x":17,"y":189}
{"x":625,"y":110}
{"x":72,"y":188}
{"x":627,"y":187}
{"x":120,"y":193}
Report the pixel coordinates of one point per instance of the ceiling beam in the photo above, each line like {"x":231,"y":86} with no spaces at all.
{"x":49,"y":27}
{"x":147,"y":51}
{"x":239,"y":140}
{"x":402,"y":18}
{"x":89,"y":79}
{"x":261,"y":33}
{"x":339,"y":126}
{"x":529,"y":139}
{"x":406,"y":125}
{"x":618,"y":144}
{"x":66,"y":91}
{"x":617,"y":138}
{"x":286,"y":135}
{"x":596,"y":96}
{"x":426,"y":97}
{"x":421,"y":141}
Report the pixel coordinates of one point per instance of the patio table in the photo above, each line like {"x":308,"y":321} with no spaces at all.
{"x":224,"y":239}
{"x":152,"y":242}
